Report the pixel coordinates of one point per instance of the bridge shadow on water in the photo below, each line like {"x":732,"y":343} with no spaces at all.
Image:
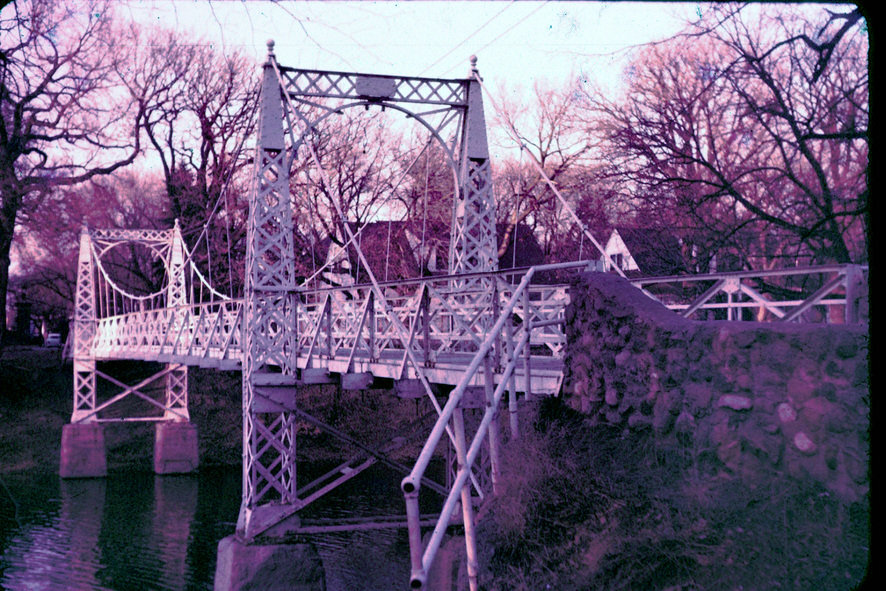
{"x":141,"y":531}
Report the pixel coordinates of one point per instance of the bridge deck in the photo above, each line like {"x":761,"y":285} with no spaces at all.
{"x":545,"y":371}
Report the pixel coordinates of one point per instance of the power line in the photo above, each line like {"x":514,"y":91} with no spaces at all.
{"x":508,"y":30}
{"x":466,"y":39}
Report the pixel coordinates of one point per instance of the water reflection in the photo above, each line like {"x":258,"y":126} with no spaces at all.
{"x":60,"y":552}
{"x":175,"y":505}
{"x":82,"y":506}
{"x":129,"y":531}
{"x":140,"y":531}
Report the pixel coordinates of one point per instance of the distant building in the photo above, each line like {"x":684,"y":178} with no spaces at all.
{"x":644,"y":252}
{"x":400,"y":250}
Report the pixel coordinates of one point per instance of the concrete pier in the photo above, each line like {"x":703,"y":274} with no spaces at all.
{"x":175,"y":448}
{"x":268,"y":567}
{"x":83,"y":451}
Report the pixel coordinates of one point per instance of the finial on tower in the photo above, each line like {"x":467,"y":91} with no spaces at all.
{"x":271,"y":49}
{"x":474,"y":70}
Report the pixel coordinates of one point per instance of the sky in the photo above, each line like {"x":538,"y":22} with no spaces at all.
{"x":516,"y":42}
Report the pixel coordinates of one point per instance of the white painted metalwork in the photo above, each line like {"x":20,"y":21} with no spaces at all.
{"x":824,"y":293}
{"x":269,"y":324}
{"x":511,"y":341}
{"x":481,"y":331}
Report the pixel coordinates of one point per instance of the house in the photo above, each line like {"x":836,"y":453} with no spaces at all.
{"x":402,"y":250}
{"x":645,"y":252}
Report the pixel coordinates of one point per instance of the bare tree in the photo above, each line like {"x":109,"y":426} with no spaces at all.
{"x":361,"y":156}
{"x":63,"y":119}
{"x":47,"y":247}
{"x":201,"y":114}
{"x":754,"y":125}
{"x":549,"y":128}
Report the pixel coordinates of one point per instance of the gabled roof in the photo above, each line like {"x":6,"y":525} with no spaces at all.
{"x":529,"y":251}
{"x":655,"y":250}
{"x":394,"y":246}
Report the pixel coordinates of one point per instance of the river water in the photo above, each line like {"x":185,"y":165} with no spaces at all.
{"x":142,"y":532}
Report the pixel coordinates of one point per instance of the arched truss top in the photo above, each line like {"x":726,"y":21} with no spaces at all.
{"x":453,"y":115}
{"x":149,"y":238}
{"x":160,"y":244}
{"x":449,"y":148}
{"x":373,"y":87}
{"x":450,"y":102}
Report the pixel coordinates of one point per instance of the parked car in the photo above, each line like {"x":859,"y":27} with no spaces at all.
{"x":53,"y":340}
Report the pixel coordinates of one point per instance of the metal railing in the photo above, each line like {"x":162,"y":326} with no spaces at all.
{"x":827,"y":293}
{"x":199,"y":334}
{"x":438,"y":319}
{"x":505,"y":346}
{"x":344,"y":324}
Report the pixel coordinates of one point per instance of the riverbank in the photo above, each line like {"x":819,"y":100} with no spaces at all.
{"x":36,"y":398}
{"x":592,"y":506}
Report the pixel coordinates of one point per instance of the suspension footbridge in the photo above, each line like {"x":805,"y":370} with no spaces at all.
{"x":474,"y":341}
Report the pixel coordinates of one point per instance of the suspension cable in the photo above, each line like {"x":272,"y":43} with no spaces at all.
{"x":223,"y":194}
{"x":330,"y":260}
{"x":376,"y":288}
{"x":422,"y":257}
{"x":518,"y":138}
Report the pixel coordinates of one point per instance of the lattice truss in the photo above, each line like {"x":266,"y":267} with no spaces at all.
{"x":121,"y":315}
{"x":295,"y":104}
{"x":348,"y":323}
{"x":455,"y":120}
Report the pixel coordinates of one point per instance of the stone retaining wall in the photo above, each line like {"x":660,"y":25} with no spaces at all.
{"x":748,"y":398}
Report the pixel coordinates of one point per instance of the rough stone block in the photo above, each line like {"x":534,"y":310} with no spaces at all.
{"x":786,"y":413}
{"x":861,"y":375}
{"x":623,"y":358}
{"x":685,"y":423}
{"x":779,"y":356}
{"x":175,"y":448}
{"x":803,"y":443}
{"x":639,"y":421}
{"x":735,"y":402}
{"x":662,"y":419}
{"x":744,"y":338}
{"x":846,"y":347}
{"x":268,"y":567}
{"x":767,"y":379}
{"x":730,"y":454}
{"x":83,"y":451}
{"x":825,"y":390}
{"x":698,"y":396}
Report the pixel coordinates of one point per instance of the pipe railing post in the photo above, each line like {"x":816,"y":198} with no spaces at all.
{"x":327,"y":317}
{"x":413,"y":522}
{"x":467,"y":507}
{"x":373,"y":353}
{"x":495,"y":314}
{"x":494,"y":445}
{"x":853,"y":279}
{"x":426,"y":325}
{"x":512,"y":381}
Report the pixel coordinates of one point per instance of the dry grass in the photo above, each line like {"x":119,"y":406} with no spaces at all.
{"x":587,"y":507}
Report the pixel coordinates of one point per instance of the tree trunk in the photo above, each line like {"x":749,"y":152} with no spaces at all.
{"x":9,"y":206}
{"x":4,"y":283}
